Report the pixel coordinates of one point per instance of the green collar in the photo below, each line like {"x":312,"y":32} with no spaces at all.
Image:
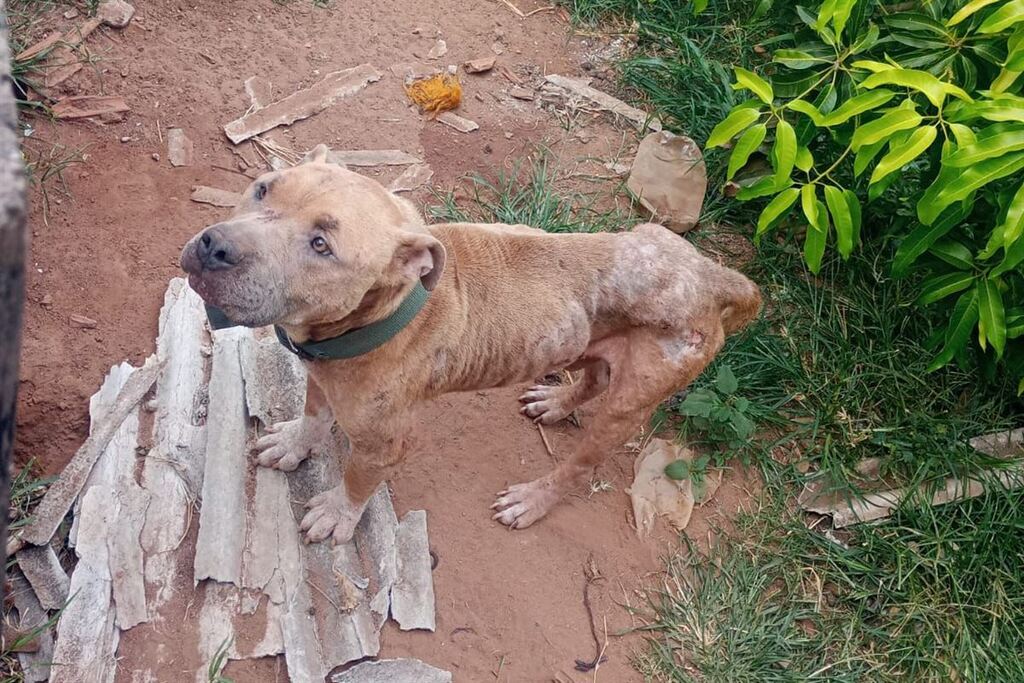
{"x":352,"y":343}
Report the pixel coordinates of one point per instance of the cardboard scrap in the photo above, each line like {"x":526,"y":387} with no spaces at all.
{"x":669,"y":179}
{"x":302,"y":104}
{"x":84,"y":106}
{"x":215,"y":196}
{"x":393,"y":671}
{"x":574,"y":86}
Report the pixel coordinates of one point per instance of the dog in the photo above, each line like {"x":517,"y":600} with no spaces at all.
{"x":329,"y":256}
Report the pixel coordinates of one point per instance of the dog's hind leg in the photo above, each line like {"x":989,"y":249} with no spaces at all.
{"x":644,"y":370}
{"x":549,"y":404}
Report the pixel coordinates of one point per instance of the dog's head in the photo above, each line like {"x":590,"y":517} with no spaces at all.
{"x":312,"y":245}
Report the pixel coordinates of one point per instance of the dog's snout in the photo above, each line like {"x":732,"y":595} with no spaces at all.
{"x":216,"y":252}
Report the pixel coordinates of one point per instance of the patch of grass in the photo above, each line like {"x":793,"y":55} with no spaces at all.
{"x":527,"y":195}
{"x":933,"y":594}
{"x":215,"y":671}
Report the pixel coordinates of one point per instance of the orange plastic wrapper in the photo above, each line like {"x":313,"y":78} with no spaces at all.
{"x":435,"y":94}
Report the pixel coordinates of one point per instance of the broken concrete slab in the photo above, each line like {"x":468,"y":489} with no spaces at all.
{"x":478,"y":66}
{"x":62,"y":494}
{"x":372,"y":157}
{"x":376,"y":537}
{"x":669,"y":179}
{"x":215,"y":196}
{"x":48,"y":579}
{"x":412,"y":178}
{"x":179,"y":148}
{"x":86,"y":634}
{"x":638,"y":118}
{"x":393,"y":671}
{"x":222,"y":517}
{"x":303,"y":103}
{"x":260,"y":92}
{"x":457,"y":122}
{"x":84,"y":106}
{"x":124,"y":548}
{"x":412,"y":597}
{"x":115,"y":13}
{"x":35,"y":666}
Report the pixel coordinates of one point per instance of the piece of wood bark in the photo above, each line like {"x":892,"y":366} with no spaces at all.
{"x":62,"y":493}
{"x":40,"y":565}
{"x":64,"y":62}
{"x":412,"y":597}
{"x":222,"y":517}
{"x":638,"y":118}
{"x":457,"y":122}
{"x":86,"y":635}
{"x":376,"y":539}
{"x":372,"y":157}
{"x":302,"y":104}
{"x":393,"y":671}
{"x":35,"y":666}
{"x":84,"y":106}
{"x":215,"y":197}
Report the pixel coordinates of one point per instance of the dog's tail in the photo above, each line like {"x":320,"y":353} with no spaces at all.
{"x":740,"y":300}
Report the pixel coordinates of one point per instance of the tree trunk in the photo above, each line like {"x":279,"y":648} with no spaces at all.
{"x":13,"y":239}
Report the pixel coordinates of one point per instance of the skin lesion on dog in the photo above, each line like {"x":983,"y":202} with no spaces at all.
{"x":319,"y":250}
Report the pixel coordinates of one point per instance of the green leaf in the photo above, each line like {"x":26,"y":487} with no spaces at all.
{"x":1013,"y":226}
{"x":1006,"y":107}
{"x":842,"y":15}
{"x":753,"y":83}
{"x":797,"y":59}
{"x":991,"y":314}
{"x":961,"y":182}
{"x":1003,"y":18}
{"x":825,"y":13}
{"x":865,"y":155}
{"x":839,"y":208}
{"x":762,"y":188}
{"x":902,"y":154}
{"x":878,"y":189}
{"x":816,"y":238}
{"x":873,"y":66}
{"x":726,"y":382}
{"x":809,"y":110}
{"x":809,"y":203}
{"x":986,"y":148}
{"x":866,"y":41}
{"x":967,"y":10}
{"x":1014,"y":326}
{"x":953,"y":253}
{"x":745,"y":146}
{"x":739,"y":119}
{"x":961,"y":322}
{"x":1013,"y":258}
{"x":884,"y":126}
{"x":699,"y":6}
{"x":922,"y":81}
{"x":776,"y":208}
{"x":916,"y":22}
{"x":678,"y":470}
{"x":784,"y":150}
{"x":854,"y":203}
{"x":938,"y":288}
{"x":963,"y":135}
{"x":856,"y":105}
{"x":922,"y":237}
{"x":804,"y":159}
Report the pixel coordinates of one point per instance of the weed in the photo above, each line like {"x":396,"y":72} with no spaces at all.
{"x":47,"y":166}
{"x":214,"y":672}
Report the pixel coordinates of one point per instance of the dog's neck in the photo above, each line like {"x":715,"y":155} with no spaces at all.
{"x":377,"y":304}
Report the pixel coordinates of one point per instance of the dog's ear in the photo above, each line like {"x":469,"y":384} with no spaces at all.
{"x":420,"y":255}
{"x":317,"y":155}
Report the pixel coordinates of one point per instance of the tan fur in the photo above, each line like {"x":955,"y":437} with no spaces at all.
{"x":640,"y":312}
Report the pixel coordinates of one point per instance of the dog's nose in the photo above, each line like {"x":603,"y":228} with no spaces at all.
{"x":216,"y":252}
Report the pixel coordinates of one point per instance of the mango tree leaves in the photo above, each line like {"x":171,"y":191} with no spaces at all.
{"x":902,"y":154}
{"x":991,"y":315}
{"x":939,"y":287}
{"x":738,"y":120}
{"x":954,"y":184}
{"x":839,"y":208}
{"x":987,"y":147}
{"x":745,"y":146}
{"x":922,"y":81}
{"x":961,"y":322}
{"x":755,"y":84}
{"x":884,"y":127}
{"x":776,"y":209}
{"x":784,"y":150}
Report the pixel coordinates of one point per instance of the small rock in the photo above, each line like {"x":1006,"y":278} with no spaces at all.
{"x":71,"y":13}
{"x":498,"y":48}
{"x":759,"y":49}
{"x":156,"y":157}
{"x":126,"y":139}
{"x":116,"y":13}
{"x":508,"y":136}
{"x":124,"y":73}
{"x":587,"y":66}
{"x":179,"y":148}
{"x":479,"y":66}
{"x":46,"y":301}
{"x":488,"y":149}
{"x":669,"y":179}
{"x":82,"y":322}
{"x":440,"y":49}
{"x":521,"y":93}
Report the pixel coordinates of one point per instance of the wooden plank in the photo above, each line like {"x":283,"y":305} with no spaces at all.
{"x":86,"y":634}
{"x":302,"y":104}
{"x":412,"y":598}
{"x":222,"y":518}
{"x":62,"y":493}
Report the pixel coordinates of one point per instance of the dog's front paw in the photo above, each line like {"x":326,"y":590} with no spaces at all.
{"x":331,"y":515}
{"x":521,"y":505}
{"x":287,"y":444}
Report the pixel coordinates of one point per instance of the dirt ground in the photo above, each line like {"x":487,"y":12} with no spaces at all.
{"x":509,"y":604}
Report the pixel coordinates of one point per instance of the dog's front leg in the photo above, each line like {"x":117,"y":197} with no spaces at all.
{"x":287,"y":444}
{"x":375,"y":450}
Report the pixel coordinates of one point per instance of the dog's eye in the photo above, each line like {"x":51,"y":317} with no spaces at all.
{"x":261,"y":191}
{"x":320,"y":246}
